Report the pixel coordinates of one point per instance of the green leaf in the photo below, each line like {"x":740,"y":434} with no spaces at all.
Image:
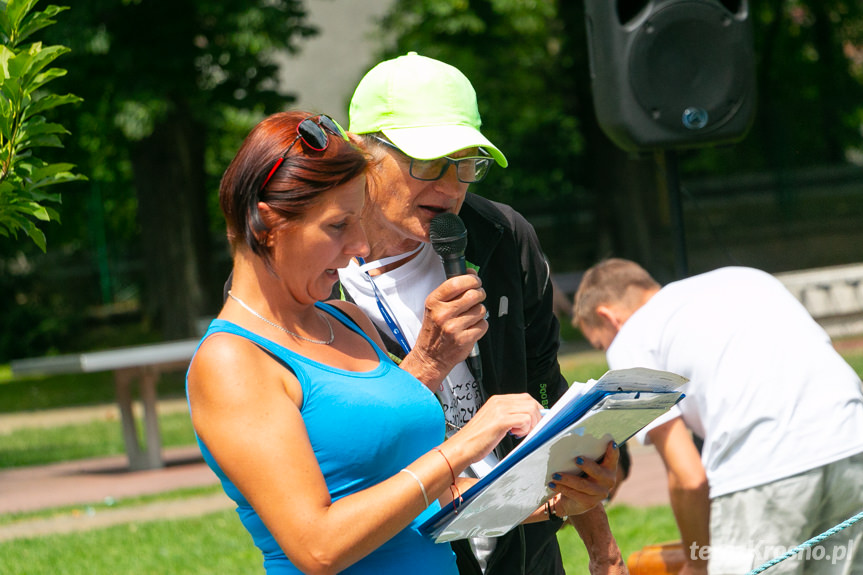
{"x":11,"y":90}
{"x":44,"y":141}
{"x":40,"y":196}
{"x":39,"y":20}
{"x":6,"y":119}
{"x":40,"y":213}
{"x":48,"y":102}
{"x":5,"y":55}
{"x":28,"y":63}
{"x":37,"y":125}
{"x":5,"y":25}
{"x":54,"y":214}
{"x":36,"y":235}
{"x":49,"y":170}
{"x":37,"y":132}
{"x":16,"y":10}
{"x":19,"y":63}
{"x":43,"y":78}
{"x":61,"y":178}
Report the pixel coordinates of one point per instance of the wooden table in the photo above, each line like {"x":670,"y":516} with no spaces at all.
{"x":141,"y":364}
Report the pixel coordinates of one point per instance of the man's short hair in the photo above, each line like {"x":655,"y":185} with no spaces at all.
{"x":607,"y":282}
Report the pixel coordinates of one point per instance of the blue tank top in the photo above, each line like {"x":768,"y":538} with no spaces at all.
{"x":364,"y":428}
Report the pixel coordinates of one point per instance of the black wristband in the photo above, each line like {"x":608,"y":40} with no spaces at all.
{"x":551,"y":512}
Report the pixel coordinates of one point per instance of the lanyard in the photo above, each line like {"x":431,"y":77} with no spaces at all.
{"x":386,"y":313}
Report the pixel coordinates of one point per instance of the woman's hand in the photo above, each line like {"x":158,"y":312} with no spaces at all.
{"x":582,"y":493}
{"x":506,"y":413}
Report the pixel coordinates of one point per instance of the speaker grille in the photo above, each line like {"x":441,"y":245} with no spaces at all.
{"x":683,"y":58}
{"x":676,"y":74}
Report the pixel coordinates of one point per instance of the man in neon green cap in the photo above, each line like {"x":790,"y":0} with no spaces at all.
{"x":418,"y":118}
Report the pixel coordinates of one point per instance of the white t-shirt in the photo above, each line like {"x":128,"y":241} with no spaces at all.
{"x":768,"y":392}
{"x":404,"y":291}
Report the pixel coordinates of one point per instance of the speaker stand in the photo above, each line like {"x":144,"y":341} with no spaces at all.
{"x":667,"y":162}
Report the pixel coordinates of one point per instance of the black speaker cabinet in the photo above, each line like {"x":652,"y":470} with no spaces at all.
{"x":671,"y":74}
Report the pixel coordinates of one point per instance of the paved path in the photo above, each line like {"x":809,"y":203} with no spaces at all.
{"x":90,"y":481}
{"x":94,"y":481}
{"x":646,"y":485}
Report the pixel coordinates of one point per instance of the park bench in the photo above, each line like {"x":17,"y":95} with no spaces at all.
{"x":832,"y":295}
{"x":139,"y":364}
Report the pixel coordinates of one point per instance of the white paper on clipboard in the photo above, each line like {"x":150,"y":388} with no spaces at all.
{"x":582,"y":422}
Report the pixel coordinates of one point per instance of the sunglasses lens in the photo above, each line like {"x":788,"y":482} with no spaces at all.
{"x":312,"y":134}
{"x":332,"y":126}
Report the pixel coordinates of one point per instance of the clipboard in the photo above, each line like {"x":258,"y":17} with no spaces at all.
{"x":582,"y":422}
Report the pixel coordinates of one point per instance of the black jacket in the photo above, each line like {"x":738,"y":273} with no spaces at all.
{"x":518,"y":353}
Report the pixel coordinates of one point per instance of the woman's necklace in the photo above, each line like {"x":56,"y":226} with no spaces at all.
{"x":284,"y":329}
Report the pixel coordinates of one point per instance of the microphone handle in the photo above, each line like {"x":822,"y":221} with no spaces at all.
{"x":455,"y":265}
{"x":474,"y":364}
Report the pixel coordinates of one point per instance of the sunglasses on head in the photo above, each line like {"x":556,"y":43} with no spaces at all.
{"x":313,"y":133}
{"x":469,"y":170}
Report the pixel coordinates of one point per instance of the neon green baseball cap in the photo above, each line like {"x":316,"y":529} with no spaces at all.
{"x":425,"y":107}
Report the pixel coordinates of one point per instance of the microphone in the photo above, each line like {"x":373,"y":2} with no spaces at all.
{"x":449,"y":240}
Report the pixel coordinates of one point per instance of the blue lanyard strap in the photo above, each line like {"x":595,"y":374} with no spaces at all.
{"x":386,"y":314}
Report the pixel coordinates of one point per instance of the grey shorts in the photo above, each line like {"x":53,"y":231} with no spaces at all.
{"x":753,"y":526}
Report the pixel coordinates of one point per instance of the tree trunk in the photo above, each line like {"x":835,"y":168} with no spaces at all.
{"x":172,"y":209}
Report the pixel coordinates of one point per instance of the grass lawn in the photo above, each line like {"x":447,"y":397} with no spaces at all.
{"x":217,"y":543}
{"x":96,"y":438}
{"x":70,"y":390}
{"x":633,"y":527}
{"x":36,"y":446}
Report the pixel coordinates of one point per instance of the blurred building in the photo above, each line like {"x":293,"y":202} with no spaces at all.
{"x":328,"y":68}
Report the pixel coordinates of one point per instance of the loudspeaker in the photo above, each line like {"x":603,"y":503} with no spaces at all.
{"x":671,"y":74}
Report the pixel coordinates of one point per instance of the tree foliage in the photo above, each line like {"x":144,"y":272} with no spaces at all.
{"x":518,"y":55}
{"x":170,"y":91}
{"x":528,"y":62}
{"x":25,"y":69}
